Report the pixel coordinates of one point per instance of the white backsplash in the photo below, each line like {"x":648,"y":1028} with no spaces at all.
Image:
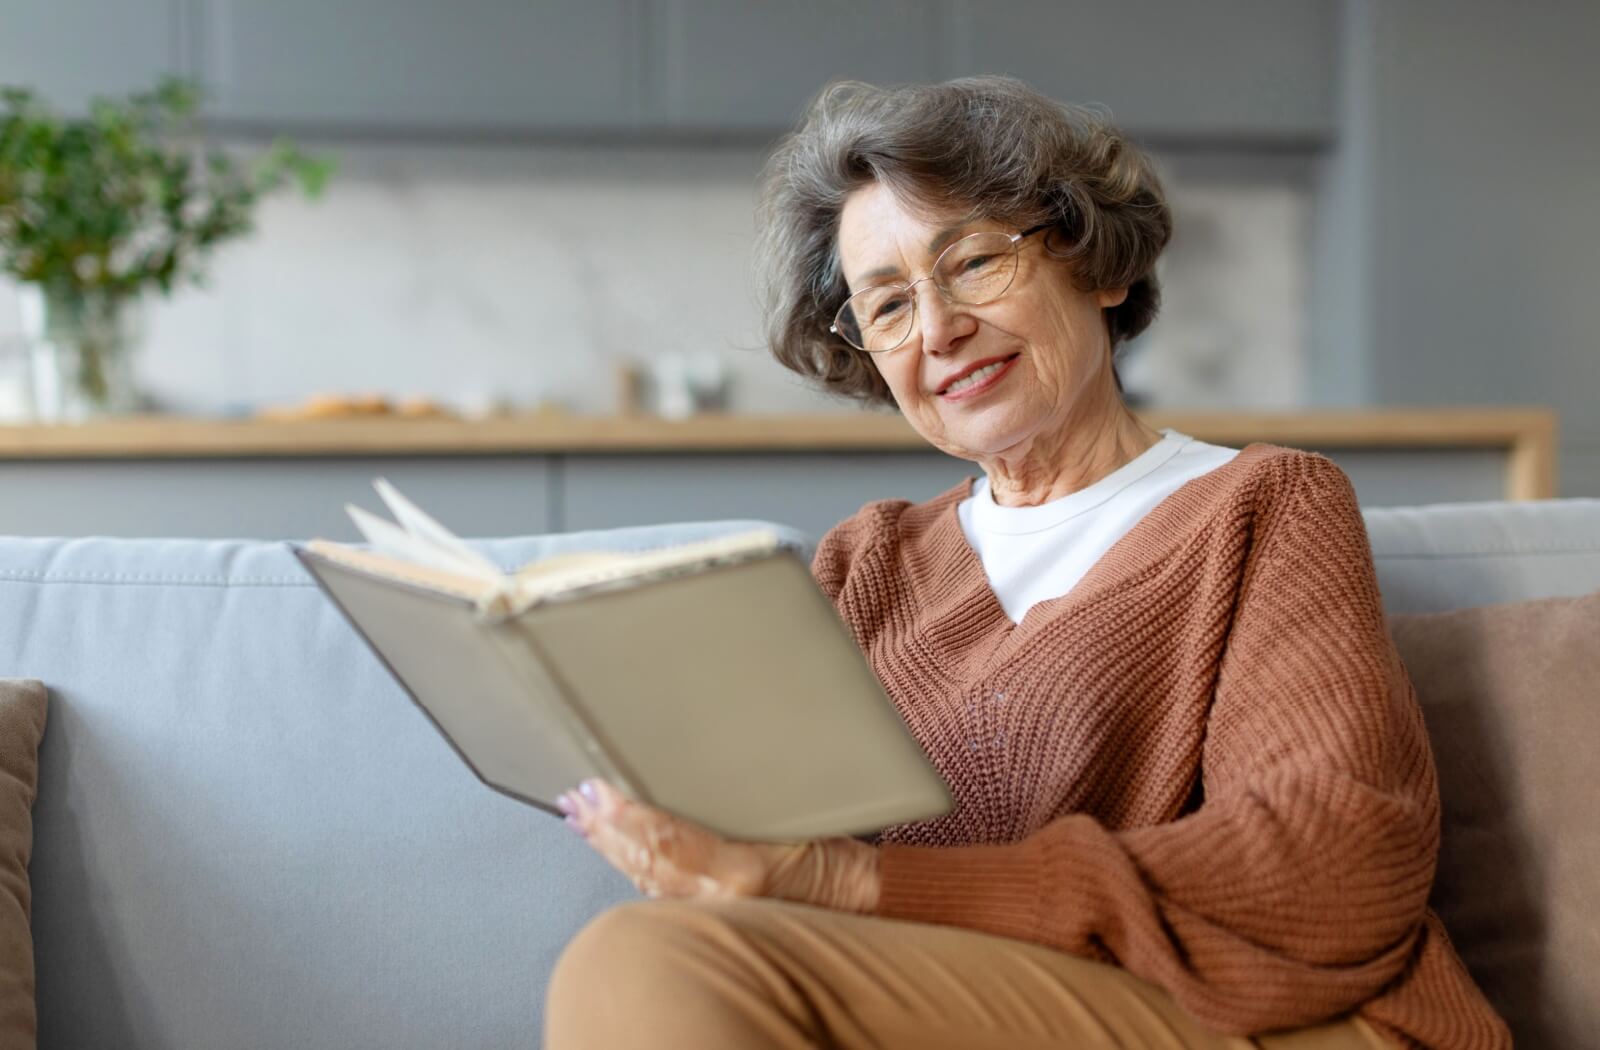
{"x":529,"y":272}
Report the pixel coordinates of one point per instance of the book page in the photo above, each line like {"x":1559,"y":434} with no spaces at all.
{"x":581,"y":561}
{"x":570,"y":575}
{"x":421,"y":551}
{"x":394,"y":542}
{"x":429,"y":532}
{"x":389,"y":567}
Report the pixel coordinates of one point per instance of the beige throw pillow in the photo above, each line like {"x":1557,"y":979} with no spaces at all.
{"x":1511,"y":694}
{"x":22,"y":715}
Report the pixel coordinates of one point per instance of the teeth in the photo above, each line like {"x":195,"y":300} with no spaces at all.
{"x":976,"y":377}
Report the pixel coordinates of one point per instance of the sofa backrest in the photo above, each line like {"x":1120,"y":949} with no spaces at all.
{"x":1457,"y":555}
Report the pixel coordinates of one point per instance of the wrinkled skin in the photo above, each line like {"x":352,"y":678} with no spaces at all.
{"x":1057,"y":423}
{"x":667,"y":856}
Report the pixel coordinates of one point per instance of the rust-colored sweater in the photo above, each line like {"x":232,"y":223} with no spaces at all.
{"x":1205,"y":763}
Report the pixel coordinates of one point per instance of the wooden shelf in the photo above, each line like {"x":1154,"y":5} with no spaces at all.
{"x":1528,"y":435}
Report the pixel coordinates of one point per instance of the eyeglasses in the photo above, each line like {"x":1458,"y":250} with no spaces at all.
{"x":977,"y":269}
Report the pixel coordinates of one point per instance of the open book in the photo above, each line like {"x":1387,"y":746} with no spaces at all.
{"x":712,"y":679}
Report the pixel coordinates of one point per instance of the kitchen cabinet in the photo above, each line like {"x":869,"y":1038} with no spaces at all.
{"x":1232,"y":69}
{"x":267,"y":498}
{"x":1242,"y":70}
{"x":736,"y":65}
{"x":503,"y":495}
{"x":1237,"y":69}
{"x":160,"y":476}
{"x":421,"y":66}
{"x":72,"y":50}
{"x":810,"y":491}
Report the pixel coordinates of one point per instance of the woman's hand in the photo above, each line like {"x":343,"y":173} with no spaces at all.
{"x":667,"y":856}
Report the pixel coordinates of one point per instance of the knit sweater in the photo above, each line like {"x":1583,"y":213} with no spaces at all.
{"x":1205,"y":763}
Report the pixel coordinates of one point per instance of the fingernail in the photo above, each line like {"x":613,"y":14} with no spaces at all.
{"x":590,"y":792}
{"x":572,"y":822}
{"x":565,"y":804}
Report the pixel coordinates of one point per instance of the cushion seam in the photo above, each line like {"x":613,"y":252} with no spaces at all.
{"x":1486,"y":552}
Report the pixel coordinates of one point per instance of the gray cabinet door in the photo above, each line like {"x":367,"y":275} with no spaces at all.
{"x":269,"y":499}
{"x":72,"y":50}
{"x":811,"y":491}
{"x":1166,"y":68}
{"x":742,"y":65}
{"x":422,"y":65}
{"x":1173,"y":68}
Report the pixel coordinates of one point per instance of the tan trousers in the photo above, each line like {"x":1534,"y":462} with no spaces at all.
{"x":756,"y":974}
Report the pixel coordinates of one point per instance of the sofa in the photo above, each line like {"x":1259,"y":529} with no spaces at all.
{"x":245,"y":835}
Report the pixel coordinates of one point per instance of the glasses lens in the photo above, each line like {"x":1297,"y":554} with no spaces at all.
{"x":977,"y":269}
{"x":876,"y":319}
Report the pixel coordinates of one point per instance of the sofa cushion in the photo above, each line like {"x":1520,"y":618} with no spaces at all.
{"x":1513,"y":709}
{"x":1456,"y":555}
{"x":22,"y":714}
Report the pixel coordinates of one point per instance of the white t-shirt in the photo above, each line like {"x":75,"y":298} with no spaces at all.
{"x":1034,"y":554}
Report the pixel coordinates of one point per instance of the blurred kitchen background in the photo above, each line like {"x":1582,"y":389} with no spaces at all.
{"x":1377,"y":203}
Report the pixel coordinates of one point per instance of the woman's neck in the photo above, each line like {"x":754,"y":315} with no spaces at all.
{"x":1070,"y":459}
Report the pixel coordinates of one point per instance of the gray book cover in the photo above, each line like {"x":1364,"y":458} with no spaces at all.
{"x":728,"y":693}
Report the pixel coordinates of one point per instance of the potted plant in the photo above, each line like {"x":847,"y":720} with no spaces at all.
{"x":97,"y":211}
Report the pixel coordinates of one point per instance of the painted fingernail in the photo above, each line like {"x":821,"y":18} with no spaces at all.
{"x":565,"y":804}
{"x":590,"y":792}
{"x":576,"y":825}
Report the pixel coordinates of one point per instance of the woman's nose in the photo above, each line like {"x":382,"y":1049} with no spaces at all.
{"x":942,"y":321}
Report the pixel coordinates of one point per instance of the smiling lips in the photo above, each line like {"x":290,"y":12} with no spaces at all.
{"x":977,"y":376}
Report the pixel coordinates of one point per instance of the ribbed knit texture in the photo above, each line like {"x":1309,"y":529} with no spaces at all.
{"x":1205,"y":763}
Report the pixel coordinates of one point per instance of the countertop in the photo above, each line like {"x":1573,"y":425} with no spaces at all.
{"x":1527,"y":435}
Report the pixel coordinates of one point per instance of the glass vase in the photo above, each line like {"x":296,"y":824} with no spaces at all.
{"x":84,"y":343}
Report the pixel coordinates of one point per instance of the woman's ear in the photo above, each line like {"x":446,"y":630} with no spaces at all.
{"x":1109,"y":297}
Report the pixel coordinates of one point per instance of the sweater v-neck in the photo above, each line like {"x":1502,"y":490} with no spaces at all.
{"x":969,"y":627}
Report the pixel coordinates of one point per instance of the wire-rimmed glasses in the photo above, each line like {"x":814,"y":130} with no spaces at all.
{"x":977,"y":269}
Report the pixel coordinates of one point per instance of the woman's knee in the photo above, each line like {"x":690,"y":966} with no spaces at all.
{"x":639,"y":963}
{"x":621,"y":936}
{"x":633,"y":952}
{"x":640,"y":932}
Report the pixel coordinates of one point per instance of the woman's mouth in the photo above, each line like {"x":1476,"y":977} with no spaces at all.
{"x":975,"y":382}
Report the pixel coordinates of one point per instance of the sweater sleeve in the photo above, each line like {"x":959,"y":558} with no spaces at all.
{"x":848,"y":544}
{"x":1297,"y":888}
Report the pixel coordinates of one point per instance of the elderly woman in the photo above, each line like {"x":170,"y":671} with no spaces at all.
{"x":1195,"y":805}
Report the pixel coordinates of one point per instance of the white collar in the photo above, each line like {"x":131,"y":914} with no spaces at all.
{"x":989,"y":516}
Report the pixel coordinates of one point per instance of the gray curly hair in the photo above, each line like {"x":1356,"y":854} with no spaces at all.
{"x":991,"y":145}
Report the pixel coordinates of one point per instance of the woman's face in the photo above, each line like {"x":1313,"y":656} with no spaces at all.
{"x":1048,"y":338}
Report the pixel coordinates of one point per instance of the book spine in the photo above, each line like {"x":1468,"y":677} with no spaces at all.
{"x":529,"y":663}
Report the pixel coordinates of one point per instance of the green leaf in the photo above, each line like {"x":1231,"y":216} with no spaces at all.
{"x":117,"y":201}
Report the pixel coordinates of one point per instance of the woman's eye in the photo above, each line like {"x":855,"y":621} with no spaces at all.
{"x":977,"y":263}
{"x":888,"y":309}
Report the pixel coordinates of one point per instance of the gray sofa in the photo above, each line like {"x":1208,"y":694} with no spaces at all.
{"x":247,"y":836}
